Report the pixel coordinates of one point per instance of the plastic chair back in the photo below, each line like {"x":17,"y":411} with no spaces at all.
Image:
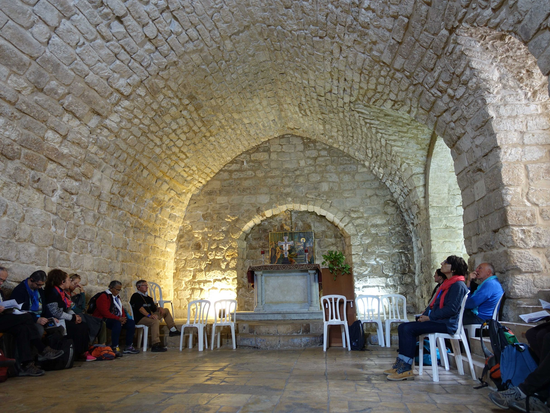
{"x":142,"y":328}
{"x":156,"y":292}
{"x":394,"y":307}
{"x":225,"y":312}
{"x":331,"y":308}
{"x":197,"y":312}
{"x":368,"y":308}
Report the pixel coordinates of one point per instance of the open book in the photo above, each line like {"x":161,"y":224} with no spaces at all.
{"x":537,"y":315}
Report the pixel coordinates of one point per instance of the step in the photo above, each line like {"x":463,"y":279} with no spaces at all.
{"x":279,"y":342}
{"x":280,"y":327}
{"x":544,"y":295}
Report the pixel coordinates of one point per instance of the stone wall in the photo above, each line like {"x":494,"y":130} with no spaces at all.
{"x":227,"y":222}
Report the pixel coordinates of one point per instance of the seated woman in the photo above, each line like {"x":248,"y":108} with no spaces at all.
{"x":59,"y":304}
{"x":441,"y":316}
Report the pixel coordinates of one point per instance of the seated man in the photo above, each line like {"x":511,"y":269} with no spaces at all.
{"x":441,"y":316}
{"x":146,"y":312}
{"x":537,"y":384}
{"x":30,"y":293}
{"x":22,"y":327}
{"x":481,"y":304}
{"x":109,"y":308}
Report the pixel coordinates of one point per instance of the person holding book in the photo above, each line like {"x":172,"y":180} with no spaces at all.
{"x":22,"y":327}
{"x":481,"y":304}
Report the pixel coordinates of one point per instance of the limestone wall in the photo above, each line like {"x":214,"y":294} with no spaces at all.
{"x":227,"y":222}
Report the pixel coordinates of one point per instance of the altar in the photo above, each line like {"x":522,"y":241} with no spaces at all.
{"x":287,"y":288}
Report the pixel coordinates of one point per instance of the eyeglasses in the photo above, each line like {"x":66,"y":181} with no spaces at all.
{"x":38,"y":284}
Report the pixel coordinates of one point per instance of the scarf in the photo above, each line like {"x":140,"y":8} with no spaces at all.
{"x":117,"y":303}
{"x":475,"y":310}
{"x":444,"y":289}
{"x":64,"y":297}
{"x":35,"y":298}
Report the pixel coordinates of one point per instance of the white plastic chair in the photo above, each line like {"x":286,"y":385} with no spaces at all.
{"x":143,"y":331}
{"x":333,"y":316}
{"x":471,"y":328}
{"x":225,"y":314}
{"x":439,"y":338}
{"x":394,"y":308}
{"x":368,"y":311}
{"x":199,"y":309}
{"x":156,"y":293}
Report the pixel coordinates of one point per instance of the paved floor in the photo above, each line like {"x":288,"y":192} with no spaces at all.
{"x":242,"y":380}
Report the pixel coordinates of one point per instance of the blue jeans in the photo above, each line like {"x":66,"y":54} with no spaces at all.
{"x":116,"y":327}
{"x":408,"y":336}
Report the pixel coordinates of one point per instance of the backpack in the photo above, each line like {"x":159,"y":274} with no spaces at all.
{"x":356,"y":336}
{"x":516,"y":363}
{"x":92,"y":305}
{"x":500,"y":337}
{"x":427,"y":358}
{"x":5,"y":364}
{"x":65,"y":361}
{"x":101,"y":352}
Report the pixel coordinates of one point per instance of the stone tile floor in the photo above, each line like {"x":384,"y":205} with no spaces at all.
{"x":242,"y":380}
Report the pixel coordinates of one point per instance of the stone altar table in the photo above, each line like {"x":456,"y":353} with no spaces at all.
{"x":285,"y":288}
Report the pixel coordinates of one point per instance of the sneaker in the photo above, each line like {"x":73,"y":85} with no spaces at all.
{"x":174,"y":333}
{"x":31,"y":370}
{"x":89,"y":357}
{"x":117,"y":351}
{"x":404,"y":372}
{"x":504,"y":398}
{"x":535,"y":405}
{"x":50,"y":354}
{"x":393,"y":369}
{"x":130,"y":350}
{"x":158,"y":348}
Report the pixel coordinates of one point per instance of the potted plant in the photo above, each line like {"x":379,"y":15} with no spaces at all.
{"x":336,"y":262}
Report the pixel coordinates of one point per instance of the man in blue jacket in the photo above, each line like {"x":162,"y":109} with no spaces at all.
{"x":481,"y":304}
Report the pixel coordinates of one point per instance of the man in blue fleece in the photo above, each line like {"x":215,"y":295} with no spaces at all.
{"x":481,"y":304}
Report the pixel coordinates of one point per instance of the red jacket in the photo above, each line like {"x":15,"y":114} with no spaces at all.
{"x":104,"y":304}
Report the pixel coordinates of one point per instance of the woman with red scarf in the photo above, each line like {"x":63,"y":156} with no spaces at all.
{"x":441,"y":316}
{"x":59,"y":304}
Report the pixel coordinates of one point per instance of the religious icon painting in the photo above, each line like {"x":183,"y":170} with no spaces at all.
{"x":291,"y":247}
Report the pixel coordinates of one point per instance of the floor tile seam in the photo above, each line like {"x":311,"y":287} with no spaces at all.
{"x":287,"y":381}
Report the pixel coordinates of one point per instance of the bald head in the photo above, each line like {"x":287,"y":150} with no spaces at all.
{"x":484,"y":271}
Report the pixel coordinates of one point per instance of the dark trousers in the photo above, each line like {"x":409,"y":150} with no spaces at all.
{"x":116,"y":327}
{"x":471,"y":318}
{"x":539,"y":380}
{"x":26,"y":335}
{"x":409,"y":332}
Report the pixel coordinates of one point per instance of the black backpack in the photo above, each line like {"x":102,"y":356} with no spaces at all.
{"x":92,"y":305}
{"x":356,"y":336}
{"x":500,"y":337}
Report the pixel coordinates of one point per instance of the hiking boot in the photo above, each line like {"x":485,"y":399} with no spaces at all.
{"x":535,"y":405}
{"x":393,"y":369}
{"x":504,"y":398}
{"x":174,"y":333}
{"x":50,"y":354}
{"x":158,"y":348}
{"x":31,"y":370}
{"x":117,"y":351}
{"x":131,"y":350}
{"x":404,"y":372}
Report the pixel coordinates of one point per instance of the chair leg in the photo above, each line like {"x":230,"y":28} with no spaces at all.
{"x":469,"y":355}
{"x":342,"y":327}
{"x":443,"y":353}
{"x":348,"y":341}
{"x":420,"y":355}
{"x":458,"y":356}
{"x":388,"y":332}
{"x":181,"y":338}
{"x":145,"y":338}
{"x":213,"y":336}
{"x":325,"y":332}
{"x":219,"y":338}
{"x":206,"y":338}
{"x":380,"y":334}
{"x":140,"y":335}
{"x":200,"y":338}
{"x":433,"y":356}
{"x":233,"y":336}
{"x":190,"y":339}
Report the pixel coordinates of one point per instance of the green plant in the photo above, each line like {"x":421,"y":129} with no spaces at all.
{"x":336,"y":262}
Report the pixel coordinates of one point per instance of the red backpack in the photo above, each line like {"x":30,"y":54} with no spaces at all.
{"x":101,"y":352}
{"x":5,"y":364}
